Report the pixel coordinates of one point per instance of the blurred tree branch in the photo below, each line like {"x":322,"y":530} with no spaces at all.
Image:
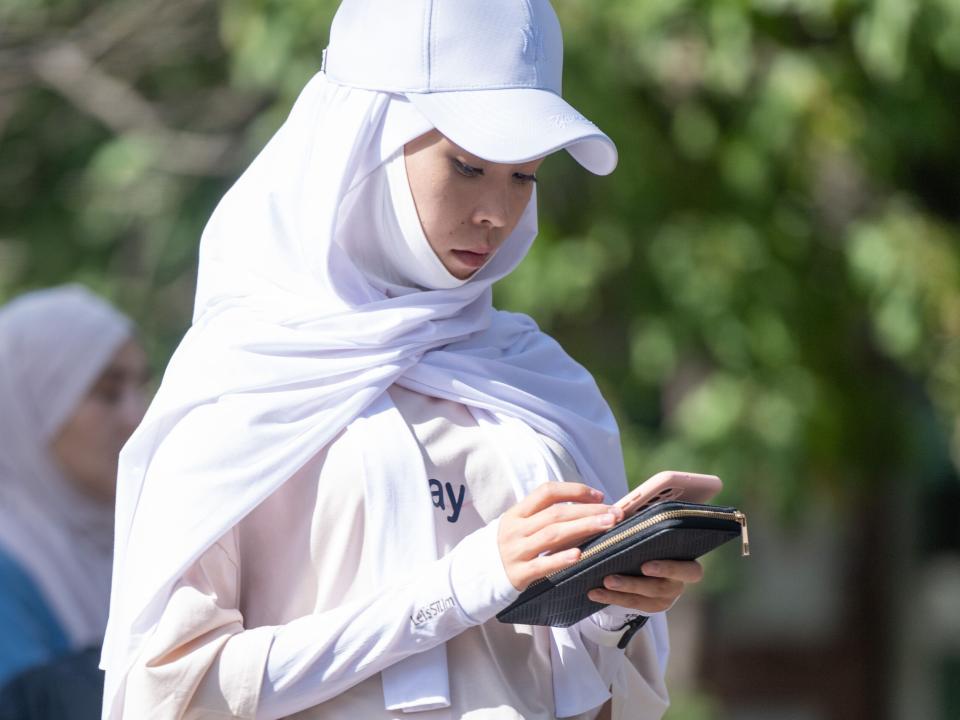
{"x":97,"y":64}
{"x":66,"y":69}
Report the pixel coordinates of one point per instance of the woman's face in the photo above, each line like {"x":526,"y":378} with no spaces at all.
{"x":467,"y":206}
{"x":88,"y":445}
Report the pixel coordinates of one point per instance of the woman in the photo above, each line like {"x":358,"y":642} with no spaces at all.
{"x":71,"y":376}
{"x":354,"y":461}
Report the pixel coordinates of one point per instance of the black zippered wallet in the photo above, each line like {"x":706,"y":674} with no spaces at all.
{"x":665,"y":531}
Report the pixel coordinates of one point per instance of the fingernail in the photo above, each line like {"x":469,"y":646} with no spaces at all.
{"x":597,"y":494}
{"x":652,"y":568}
{"x":614,"y":581}
{"x":606,"y":520}
{"x":595,"y":595}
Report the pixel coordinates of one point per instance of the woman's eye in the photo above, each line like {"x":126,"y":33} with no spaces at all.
{"x":108,"y":396}
{"x":524,"y":178}
{"x":467,"y":170}
{"x":109,"y":391}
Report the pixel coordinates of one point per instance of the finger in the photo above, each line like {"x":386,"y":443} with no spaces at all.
{"x":556,"y":492}
{"x":545,"y":565}
{"x":633,"y":602}
{"x":686,"y":571}
{"x":562,"y":535}
{"x":565,"y":512}
{"x":646,"y":586}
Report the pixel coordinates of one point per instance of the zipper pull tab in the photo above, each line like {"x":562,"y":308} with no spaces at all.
{"x":744,"y":535}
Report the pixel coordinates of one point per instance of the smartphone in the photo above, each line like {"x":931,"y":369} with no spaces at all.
{"x":670,"y":485}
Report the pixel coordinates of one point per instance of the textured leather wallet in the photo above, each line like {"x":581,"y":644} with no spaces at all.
{"x":665,"y":531}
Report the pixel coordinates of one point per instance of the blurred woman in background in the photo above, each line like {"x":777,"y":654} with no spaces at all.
{"x":71,"y":388}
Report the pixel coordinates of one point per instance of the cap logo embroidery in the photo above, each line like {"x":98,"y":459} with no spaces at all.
{"x":532,"y":50}
{"x":562,"y":120}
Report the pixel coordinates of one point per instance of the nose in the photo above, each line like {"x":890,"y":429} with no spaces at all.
{"x":492,"y":209}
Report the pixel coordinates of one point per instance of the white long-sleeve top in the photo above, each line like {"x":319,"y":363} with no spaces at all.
{"x":280,"y":619}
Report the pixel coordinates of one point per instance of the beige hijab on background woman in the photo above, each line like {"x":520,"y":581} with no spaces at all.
{"x":293,"y":340}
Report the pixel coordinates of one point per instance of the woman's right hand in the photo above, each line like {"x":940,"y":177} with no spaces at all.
{"x":553,"y":519}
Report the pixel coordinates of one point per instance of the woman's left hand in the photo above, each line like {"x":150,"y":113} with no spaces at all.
{"x":664,"y":581}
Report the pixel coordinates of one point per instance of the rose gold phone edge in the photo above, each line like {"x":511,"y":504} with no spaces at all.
{"x":670,"y":485}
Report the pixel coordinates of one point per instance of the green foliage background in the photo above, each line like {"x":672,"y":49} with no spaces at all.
{"x":769,"y":285}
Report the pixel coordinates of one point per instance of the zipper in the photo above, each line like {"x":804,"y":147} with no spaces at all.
{"x":744,"y":535}
{"x":660,"y":517}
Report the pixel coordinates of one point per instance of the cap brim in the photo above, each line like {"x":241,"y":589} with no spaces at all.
{"x":516,"y":125}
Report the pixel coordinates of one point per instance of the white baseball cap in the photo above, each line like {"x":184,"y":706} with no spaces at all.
{"x":485,"y":73}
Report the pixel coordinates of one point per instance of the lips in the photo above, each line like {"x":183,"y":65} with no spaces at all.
{"x":471,"y":259}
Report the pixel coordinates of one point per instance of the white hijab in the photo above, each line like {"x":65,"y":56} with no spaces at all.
{"x":53,"y":345}
{"x":295,"y":336}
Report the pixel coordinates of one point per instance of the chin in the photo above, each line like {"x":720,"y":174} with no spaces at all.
{"x":464,"y":274}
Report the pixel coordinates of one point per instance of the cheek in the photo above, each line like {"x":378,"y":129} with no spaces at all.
{"x":521,"y":200}
{"x":444,"y":216}
{"x":89,"y":443}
